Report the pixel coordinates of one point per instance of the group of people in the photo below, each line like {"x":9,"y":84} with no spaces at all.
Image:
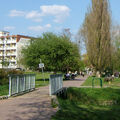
{"x":70,"y":75}
{"x":82,"y":73}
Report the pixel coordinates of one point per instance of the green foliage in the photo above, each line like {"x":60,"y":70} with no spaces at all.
{"x":78,"y":105}
{"x":82,"y":65}
{"x":56,"y":51}
{"x":116,"y":54}
{"x":93,"y":96}
{"x":4,"y":89}
{"x":97,"y":36}
{"x":5,"y":63}
{"x":4,"y":75}
{"x":54,"y":102}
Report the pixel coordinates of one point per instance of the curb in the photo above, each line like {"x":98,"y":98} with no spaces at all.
{"x":4,"y":97}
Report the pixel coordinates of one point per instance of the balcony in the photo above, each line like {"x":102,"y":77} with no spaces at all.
{"x":1,"y":54}
{"x":13,"y":60}
{"x":11,"y":48}
{"x":1,"y":42}
{"x":1,"y":48}
{"x":11,"y":54}
{"x":11,"y":41}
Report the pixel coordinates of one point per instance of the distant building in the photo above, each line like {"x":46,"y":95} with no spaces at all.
{"x":10,"y":49}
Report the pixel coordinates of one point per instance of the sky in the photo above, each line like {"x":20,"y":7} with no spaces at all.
{"x":33,"y":17}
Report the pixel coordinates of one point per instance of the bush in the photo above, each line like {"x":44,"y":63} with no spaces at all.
{"x":15,"y":72}
{"x":4,"y":75}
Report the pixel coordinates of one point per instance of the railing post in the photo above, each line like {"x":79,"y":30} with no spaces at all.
{"x":50,"y":86}
{"x":34,"y":81}
{"x":29,"y":81}
{"x":17,"y":84}
{"x":9,"y":85}
{"x":24,"y":83}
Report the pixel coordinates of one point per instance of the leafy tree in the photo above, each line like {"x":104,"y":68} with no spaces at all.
{"x":86,"y":60}
{"x":5,"y":63}
{"x":56,"y":51}
{"x":96,"y":33}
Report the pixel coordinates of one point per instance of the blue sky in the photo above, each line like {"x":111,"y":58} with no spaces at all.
{"x":33,"y":17}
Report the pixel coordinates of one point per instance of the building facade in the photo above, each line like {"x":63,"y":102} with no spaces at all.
{"x":10,"y":49}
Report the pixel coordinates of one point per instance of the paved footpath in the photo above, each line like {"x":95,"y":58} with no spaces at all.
{"x":35,"y":105}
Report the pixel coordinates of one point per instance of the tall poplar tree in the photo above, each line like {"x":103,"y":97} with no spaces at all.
{"x":96,"y":33}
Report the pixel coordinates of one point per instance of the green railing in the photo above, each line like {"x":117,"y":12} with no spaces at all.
{"x":93,"y":82}
{"x":21,"y":83}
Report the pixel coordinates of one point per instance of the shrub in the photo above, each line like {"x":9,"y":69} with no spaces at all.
{"x":15,"y":72}
{"x":4,"y":75}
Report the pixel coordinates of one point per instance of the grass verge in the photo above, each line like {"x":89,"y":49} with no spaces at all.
{"x":4,"y":90}
{"x":83,"y":104}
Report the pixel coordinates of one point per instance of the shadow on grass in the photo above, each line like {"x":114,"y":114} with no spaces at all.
{"x":4,"y":89}
{"x":83,"y":104}
{"x":76,"y":111}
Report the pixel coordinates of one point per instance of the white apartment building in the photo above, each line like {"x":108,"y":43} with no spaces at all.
{"x":10,"y":49}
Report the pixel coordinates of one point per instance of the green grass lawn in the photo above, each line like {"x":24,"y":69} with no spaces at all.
{"x":87,"y":104}
{"x":114,"y":84}
{"x":4,"y":89}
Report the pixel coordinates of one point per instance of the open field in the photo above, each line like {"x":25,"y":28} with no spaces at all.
{"x":89,"y":104}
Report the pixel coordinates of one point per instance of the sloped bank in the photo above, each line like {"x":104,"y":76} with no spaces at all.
{"x":89,"y":104}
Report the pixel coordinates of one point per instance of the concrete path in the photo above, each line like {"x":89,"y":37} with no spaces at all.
{"x":35,"y":105}
{"x":75,"y":83}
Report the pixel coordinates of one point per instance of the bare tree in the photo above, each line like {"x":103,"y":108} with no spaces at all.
{"x":96,"y":33}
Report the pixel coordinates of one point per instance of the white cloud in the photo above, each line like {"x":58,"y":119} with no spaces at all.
{"x":33,"y":14}
{"x":14,"y":13}
{"x":9,"y":28}
{"x":59,"y":12}
{"x":40,"y":28}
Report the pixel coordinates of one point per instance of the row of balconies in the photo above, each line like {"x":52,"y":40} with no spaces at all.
{"x":8,"y":54}
{"x":7,"y":42}
{"x":8,"y":48}
{"x":10,"y":60}
{"x":7,"y":38}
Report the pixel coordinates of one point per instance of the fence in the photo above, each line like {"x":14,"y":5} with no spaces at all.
{"x":56,"y":83}
{"x":21,"y":83}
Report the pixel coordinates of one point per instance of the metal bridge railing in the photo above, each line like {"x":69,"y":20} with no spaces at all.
{"x":56,"y":83}
{"x":21,"y":83}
